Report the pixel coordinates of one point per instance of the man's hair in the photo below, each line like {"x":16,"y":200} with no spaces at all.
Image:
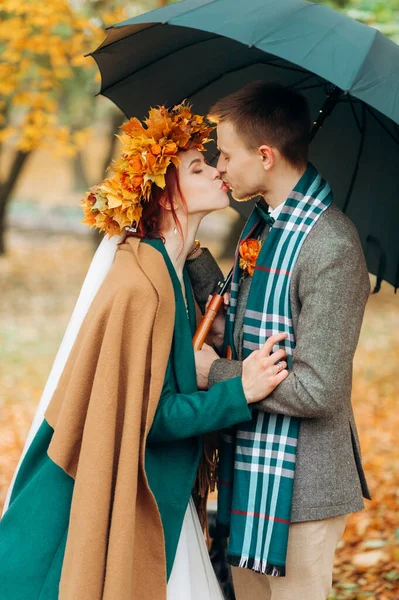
{"x":268,"y":113}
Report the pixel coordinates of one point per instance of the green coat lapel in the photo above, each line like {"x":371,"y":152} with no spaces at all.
{"x":182,"y":355}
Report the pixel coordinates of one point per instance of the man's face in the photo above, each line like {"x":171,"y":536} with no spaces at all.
{"x":240,"y":168}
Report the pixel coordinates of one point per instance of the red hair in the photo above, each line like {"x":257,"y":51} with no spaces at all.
{"x":155,"y":209}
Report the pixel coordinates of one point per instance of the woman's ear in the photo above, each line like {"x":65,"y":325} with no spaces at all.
{"x":163,"y":201}
{"x":166,"y":205}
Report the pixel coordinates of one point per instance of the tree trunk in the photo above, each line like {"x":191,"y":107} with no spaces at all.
{"x":81,"y":181}
{"x":6,"y":189}
{"x":117,"y":120}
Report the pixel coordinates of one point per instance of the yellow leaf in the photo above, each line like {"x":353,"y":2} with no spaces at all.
{"x":114,"y":201}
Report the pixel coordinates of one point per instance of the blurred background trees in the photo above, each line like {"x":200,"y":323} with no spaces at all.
{"x":382,"y":14}
{"x":47,"y":86}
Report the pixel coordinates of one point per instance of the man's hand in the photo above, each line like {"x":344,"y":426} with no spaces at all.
{"x":203,"y":362}
{"x":262,"y":372}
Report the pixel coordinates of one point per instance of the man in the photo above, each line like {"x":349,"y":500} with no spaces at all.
{"x":289,"y":477}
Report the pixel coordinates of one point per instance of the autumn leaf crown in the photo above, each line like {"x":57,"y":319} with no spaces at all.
{"x":147,"y":151}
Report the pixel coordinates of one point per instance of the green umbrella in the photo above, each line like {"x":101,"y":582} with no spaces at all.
{"x":204,"y":49}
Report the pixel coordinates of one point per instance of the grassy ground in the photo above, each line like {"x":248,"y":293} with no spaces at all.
{"x":39,"y":281}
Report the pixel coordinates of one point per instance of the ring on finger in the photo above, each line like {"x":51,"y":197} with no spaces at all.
{"x":280,"y":366}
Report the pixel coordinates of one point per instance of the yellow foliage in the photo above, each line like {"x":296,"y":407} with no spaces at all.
{"x":115,"y":16}
{"x":80,"y":138}
{"x":6,"y":134}
{"x":44,"y":46}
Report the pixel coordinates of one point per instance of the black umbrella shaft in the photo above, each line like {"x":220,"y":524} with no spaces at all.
{"x":223,"y":286}
{"x":326,"y":110}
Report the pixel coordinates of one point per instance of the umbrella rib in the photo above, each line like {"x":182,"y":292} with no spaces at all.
{"x":354,"y":113}
{"x":321,"y":83}
{"x":302,"y":81}
{"x":276,"y":59}
{"x":357,"y":163}
{"x":245,"y":66}
{"x":182,"y":48}
{"x":293,"y":69}
{"x":286,"y":68}
{"x":381,"y":262}
{"x":395,"y":139}
{"x":240,"y":68}
{"x":154,"y":61}
{"x":312,"y":87}
{"x":122,"y":39}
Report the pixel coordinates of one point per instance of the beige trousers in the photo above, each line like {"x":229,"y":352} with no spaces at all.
{"x":310,"y":558}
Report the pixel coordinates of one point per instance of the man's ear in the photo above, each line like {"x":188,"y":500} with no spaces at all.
{"x":267,"y":156}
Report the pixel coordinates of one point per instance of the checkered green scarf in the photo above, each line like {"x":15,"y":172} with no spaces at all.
{"x":257,"y":458}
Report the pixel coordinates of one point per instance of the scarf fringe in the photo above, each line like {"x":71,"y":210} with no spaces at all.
{"x":256,"y":564}
{"x":243,"y":562}
{"x":206,"y":481}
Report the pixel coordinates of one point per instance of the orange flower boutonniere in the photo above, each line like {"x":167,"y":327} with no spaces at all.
{"x":249,"y":252}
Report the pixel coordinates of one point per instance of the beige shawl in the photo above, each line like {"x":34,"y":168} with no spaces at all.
{"x":101,"y":413}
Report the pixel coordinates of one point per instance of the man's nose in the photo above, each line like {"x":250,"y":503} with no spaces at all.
{"x":221,"y":165}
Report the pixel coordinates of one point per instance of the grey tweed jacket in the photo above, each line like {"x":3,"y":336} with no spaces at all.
{"x":329,"y":290}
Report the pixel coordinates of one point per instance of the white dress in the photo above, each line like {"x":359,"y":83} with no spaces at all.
{"x":192,"y":577}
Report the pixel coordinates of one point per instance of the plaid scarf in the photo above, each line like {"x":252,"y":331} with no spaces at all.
{"x":257,"y":458}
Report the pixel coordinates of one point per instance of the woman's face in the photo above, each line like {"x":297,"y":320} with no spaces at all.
{"x":200,"y":184}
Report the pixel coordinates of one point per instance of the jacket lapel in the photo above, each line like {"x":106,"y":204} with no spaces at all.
{"x":181,"y":355}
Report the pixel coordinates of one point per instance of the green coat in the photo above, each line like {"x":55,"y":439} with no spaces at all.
{"x":33,"y":532}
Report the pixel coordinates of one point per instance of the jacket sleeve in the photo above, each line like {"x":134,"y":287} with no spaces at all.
{"x":333,"y":290}
{"x":181,"y":416}
{"x":223,"y":369}
{"x":204,"y":274}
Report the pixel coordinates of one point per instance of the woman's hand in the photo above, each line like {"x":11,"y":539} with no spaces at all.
{"x":203,"y":362}
{"x":260,"y":373}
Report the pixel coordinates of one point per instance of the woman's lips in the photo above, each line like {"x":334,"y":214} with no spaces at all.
{"x":224,"y":187}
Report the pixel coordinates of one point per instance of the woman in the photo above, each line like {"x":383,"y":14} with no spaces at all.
{"x":101,"y":507}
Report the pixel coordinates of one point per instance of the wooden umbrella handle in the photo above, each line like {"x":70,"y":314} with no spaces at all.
{"x":206,"y":321}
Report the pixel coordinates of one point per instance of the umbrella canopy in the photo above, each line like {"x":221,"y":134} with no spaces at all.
{"x":205,"y":49}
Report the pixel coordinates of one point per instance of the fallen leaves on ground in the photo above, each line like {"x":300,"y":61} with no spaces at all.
{"x":40,"y":280}
{"x":367,"y":560}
